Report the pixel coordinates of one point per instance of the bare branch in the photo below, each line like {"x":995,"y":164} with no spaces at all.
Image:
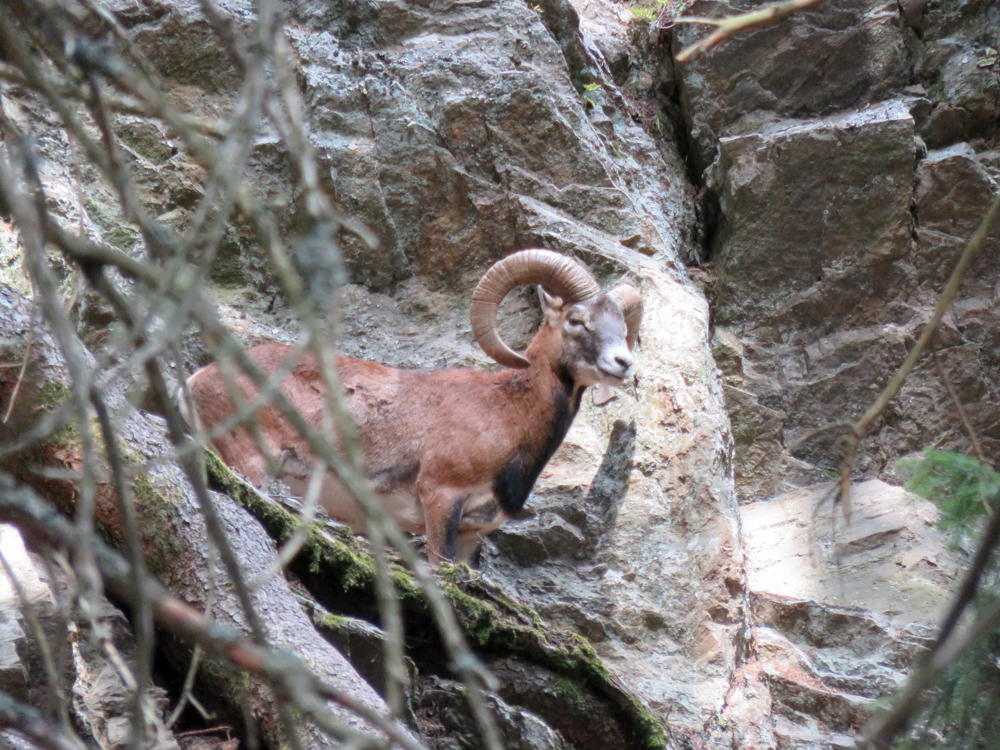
{"x":20,"y":375}
{"x":83,"y":83}
{"x":882,"y":730}
{"x":727,"y":28}
{"x":963,"y":415}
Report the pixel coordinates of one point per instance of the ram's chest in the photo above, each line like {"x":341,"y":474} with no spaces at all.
{"x":513,"y":482}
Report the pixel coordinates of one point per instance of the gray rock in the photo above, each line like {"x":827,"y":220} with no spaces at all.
{"x":93,"y":660}
{"x":841,"y":609}
{"x":798,"y":246}
{"x":818,"y":332}
{"x":443,"y":707}
{"x":953,"y":191}
{"x":19,"y":654}
{"x":362,"y":643}
{"x":956,"y":61}
{"x":459,"y":131}
{"x":840,"y":56}
{"x":539,"y":540}
{"x":889,"y":560}
{"x":102,"y":698}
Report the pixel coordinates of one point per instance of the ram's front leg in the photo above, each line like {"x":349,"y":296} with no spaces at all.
{"x":443,"y":517}
{"x":467,"y":546}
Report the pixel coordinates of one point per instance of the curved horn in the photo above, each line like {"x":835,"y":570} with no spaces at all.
{"x":562,"y":276}
{"x":630,"y":301}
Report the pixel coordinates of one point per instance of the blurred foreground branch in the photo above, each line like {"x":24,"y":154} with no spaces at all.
{"x":733,"y":26}
{"x":860,"y":428}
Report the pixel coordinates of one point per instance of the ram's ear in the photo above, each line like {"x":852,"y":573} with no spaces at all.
{"x":604,"y":394}
{"x":549,"y":302}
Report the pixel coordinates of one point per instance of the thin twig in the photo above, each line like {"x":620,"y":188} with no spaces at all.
{"x":28,"y":216}
{"x":172,"y":292}
{"x":963,"y":415}
{"x":727,"y":28}
{"x":126,"y":105}
{"x":186,"y":692}
{"x":35,"y":726}
{"x":300,"y":536}
{"x":142,"y":613}
{"x":20,"y":376}
{"x":58,"y":698}
{"x":881,"y":731}
{"x":339,"y":412}
{"x":861,"y":427}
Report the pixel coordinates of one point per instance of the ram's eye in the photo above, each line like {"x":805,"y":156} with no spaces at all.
{"x":576,"y":323}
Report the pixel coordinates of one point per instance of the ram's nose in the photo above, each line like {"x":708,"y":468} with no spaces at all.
{"x":617,"y":362}
{"x":624,"y":361}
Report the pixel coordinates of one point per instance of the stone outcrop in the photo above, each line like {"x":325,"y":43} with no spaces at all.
{"x":825,"y":277}
{"x":845,"y":54}
{"x":460,"y":132}
{"x":841,"y":609}
{"x":94,"y":687}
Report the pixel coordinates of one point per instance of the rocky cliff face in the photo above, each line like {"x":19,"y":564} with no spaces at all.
{"x":852,"y":154}
{"x":824,"y":173}
{"x":838,"y":228}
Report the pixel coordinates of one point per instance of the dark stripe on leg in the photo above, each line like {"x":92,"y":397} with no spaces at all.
{"x":451,"y":533}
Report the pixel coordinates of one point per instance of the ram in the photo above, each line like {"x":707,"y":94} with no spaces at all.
{"x":451,"y":453}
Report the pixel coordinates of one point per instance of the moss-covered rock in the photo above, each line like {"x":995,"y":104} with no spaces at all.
{"x":337,"y":570}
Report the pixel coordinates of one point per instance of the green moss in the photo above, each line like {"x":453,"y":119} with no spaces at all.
{"x":489,"y":618}
{"x":143,"y":489}
{"x":497,"y":623}
{"x":324,"y":619}
{"x":648,"y":14}
{"x":151,"y":149}
{"x":408,"y":590}
{"x":231,"y":267}
{"x":280,"y":524}
{"x":232,"y":683}
{"x":124,"y":237}
{"x":94,"y":210}
{"x":157,"y":522}
{"x":479,"y":619}
{"x":357,"y":569}
{"x":326,"y":552}
{"x":104,"y":532}
{"x":52,"y":394}
{"x":567,"y":688}
{"x":935,"y":90}
{"x":13,"y":352}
